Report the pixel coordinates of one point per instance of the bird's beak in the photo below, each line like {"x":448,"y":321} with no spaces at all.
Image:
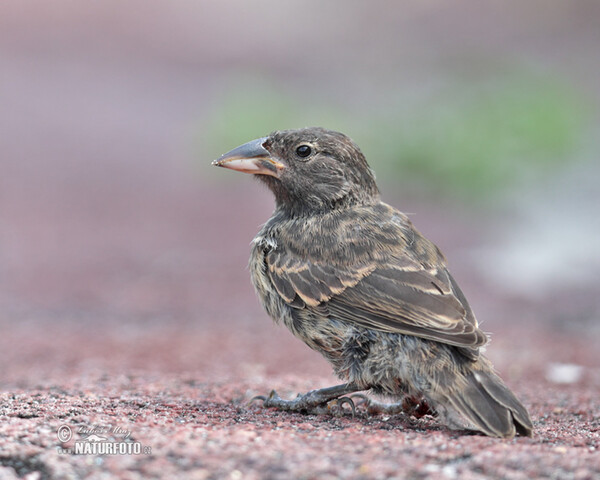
{"x":251,"y":157}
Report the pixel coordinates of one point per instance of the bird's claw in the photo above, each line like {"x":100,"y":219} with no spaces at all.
{"x":257,"y":397}
{"x":364,"y":399}
{"x":340,"y":402}
{"x":308,"y":403}
{"x":266,"y":399}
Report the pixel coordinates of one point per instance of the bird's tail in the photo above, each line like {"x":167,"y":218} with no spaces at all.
{"x":490,"y":406}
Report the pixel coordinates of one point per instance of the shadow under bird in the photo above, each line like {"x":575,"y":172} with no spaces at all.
{"x":352,"y":278}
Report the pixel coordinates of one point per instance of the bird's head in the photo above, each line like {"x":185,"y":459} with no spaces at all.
{"x":309,"y":170}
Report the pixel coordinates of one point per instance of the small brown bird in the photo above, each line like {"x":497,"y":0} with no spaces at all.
{"x":352,"y":278}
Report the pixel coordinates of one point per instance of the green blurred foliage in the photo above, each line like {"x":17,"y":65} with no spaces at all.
{"x":479,"y":141}
{"x":468,"y":140}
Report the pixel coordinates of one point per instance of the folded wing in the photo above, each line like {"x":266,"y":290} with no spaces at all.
{"x":399,"y":295}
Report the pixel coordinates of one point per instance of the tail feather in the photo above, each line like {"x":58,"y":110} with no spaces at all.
{"x":495,"y":387}
{"x":487,"y":403}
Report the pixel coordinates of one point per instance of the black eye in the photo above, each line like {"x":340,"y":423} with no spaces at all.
{"x":303,"y":151}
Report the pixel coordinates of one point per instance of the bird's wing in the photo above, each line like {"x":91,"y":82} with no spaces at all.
{"x":396,"y":293}
{"x":302,"y":283}
{"x":424,"y":303}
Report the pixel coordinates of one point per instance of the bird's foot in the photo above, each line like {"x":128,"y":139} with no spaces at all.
{"x":413,"y":406}
{"x":375,"y":407}
{"x":418,"y":407}
{"x":323,"y":401}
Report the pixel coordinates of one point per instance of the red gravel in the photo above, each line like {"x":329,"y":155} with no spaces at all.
{"x":182,"y":390}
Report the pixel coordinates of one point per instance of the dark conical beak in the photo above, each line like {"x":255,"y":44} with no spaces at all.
{"x":251,"y":157}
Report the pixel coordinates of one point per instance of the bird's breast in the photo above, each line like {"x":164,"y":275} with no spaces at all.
{"x":267,"y":294}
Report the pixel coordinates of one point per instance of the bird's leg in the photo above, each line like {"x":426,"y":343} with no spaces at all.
{"x":415,"y":406}
{"x":375,"y":407}
{"x":315,"y":401}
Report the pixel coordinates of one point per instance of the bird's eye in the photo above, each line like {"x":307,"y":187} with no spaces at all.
{"x":303,"y":151}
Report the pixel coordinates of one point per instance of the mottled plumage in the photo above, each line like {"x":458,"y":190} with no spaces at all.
{"x":352,"y":278}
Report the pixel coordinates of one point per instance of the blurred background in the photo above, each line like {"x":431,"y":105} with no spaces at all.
{"x":121,"y":248}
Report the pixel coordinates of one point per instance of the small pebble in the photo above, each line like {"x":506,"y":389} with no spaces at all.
{"x":563,"y":373}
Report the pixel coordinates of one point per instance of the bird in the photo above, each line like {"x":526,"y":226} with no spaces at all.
{"x":351,"y":277}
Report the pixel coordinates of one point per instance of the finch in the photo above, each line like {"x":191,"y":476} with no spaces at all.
{"x":352,"y":278}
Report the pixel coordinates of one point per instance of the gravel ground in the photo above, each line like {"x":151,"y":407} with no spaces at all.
{"x":179,"y":392}
{"x":189,"y":426}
